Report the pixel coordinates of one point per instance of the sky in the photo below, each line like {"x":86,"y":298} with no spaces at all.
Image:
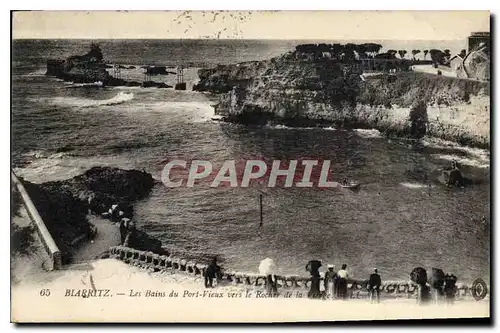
{"x":371,"y":25}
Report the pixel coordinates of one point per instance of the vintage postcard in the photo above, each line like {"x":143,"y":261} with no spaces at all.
{"x":257,"y":166}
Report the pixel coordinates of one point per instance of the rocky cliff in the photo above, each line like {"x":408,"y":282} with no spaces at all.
{"x":64,"y":205}
{"x":296,"y":91}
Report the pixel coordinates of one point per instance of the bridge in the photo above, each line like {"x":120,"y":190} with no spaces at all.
{"x":171,"y":65}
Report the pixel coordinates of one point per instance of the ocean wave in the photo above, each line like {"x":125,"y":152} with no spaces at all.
{"x":368,"y":133}
{"x":46,"y":166}
{"x":413,"y":185}
{"x":37,"y":73}
{"x":121,"y":97}
{"x":196,"y":111}
{"x":473,"y":162}
{"x":478,"y":153}
{"x":37,"y":154}
{"x":281,"y":126}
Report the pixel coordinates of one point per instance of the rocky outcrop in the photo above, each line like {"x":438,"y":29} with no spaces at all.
{"x":64,"y":205}
{"x":295,"y":91}
{"x":91,"y":68}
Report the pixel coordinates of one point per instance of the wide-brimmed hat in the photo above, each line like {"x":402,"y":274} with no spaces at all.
{"x":331,"y":266}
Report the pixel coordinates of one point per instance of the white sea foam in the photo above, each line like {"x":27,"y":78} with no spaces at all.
{"x":413,"y":185}
{"x":281,"y":126}
{"x":473,"y":162}
{"x":47,"y":166}
{"x":121,"y":97}
{"x":478,"y":153}
{"x":38,"y":72}
{"x":368,"y":133}
{"x":196,"y":111}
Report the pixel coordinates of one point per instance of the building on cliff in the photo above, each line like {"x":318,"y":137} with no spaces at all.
{"x":475,"y":64}
{"x":477,"y":38}
{"x":456,"y":64}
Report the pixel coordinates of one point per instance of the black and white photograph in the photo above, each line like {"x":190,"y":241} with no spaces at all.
{"x":250,"y":166}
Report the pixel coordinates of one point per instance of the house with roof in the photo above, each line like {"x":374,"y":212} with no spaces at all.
{"x":456,"y":64}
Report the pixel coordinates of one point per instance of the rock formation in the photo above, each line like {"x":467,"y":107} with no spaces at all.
{"x":64,"y":205}
{"x":298,"y":91}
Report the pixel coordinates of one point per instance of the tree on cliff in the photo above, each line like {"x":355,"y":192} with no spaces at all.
{"x":307,"y":49}
{"x":361,"y":51}
{"x":385,"y":55}
{"x":336,"y":50}
{"x":349,"y":49}
{"x":418,"y":119}
{"x":447,"y":55}
{"x":463,"y":53}
{"x":402,"y":53}
{"x":414,"y":53}
{"x":437,"y":56}
{"x":372,"y":49}
{"x":393,"y":52}
{"x":339,"y":51}
{"x":425,"y":53}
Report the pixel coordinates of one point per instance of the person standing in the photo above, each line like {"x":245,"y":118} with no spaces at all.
{"x":123,"y":229}
{"x":450,"y":288}
{"x":330,"y":279}
{"x":268,"y":268}
{"x":343,"y":275}
{"x":374,"y":284}
{"x":211,"y":273}
{"x":313,"y":268}
{"x":130,"y":232}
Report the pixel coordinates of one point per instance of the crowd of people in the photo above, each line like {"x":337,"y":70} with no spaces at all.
{"x":335,"y":282}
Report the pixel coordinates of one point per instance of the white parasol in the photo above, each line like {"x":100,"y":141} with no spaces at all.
{"x":267,"y":267}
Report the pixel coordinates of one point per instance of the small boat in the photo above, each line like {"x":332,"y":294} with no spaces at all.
{"x":350,"y":185}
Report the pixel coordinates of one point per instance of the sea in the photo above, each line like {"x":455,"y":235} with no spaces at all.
{"x":400,"y":218}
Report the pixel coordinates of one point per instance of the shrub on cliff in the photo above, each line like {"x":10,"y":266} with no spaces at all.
{"x":21,"y":239}
{"x":63,"y":205}
{"x":64,"y":214}
{"x":406,"y":88}
{"x":418,"y":120}
{"x":15,"y":201}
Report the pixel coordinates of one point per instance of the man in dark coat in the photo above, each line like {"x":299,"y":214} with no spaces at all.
{"x":211,"y":273}
{"x":374,"y":284}
{"x":450,"y":287}
{"x":313,"y":268}
{"x":419,"y":276}
{"x":343,"y":276}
